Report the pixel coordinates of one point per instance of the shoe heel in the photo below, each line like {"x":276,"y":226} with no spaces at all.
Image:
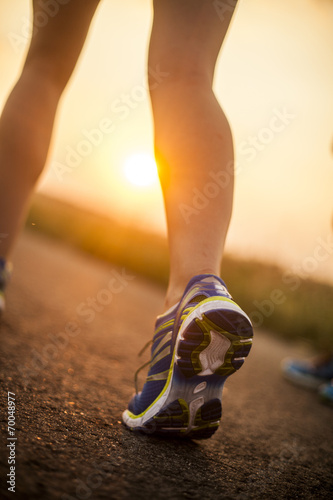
{"x":215,"y":343}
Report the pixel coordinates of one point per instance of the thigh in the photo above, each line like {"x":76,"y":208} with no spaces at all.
{"x":59,"y":30}
{"x":189,"y":31}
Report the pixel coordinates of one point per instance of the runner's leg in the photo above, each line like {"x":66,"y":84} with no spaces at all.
{"x":193,"y":141}
{"x":27,"y":120}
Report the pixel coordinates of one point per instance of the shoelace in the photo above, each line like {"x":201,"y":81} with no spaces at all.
{"x":145,"y":347}
{"x":150,"y":342}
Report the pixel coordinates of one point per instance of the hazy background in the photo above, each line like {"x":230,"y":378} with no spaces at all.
{"x":278,"y":56}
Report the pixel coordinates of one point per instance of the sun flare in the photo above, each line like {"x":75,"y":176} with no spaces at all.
{"x":140,"y":169}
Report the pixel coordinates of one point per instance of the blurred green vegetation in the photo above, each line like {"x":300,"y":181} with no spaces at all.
{"x":293,"y":308}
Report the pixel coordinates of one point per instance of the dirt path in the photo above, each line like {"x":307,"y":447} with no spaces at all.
{"x":69,"y":344}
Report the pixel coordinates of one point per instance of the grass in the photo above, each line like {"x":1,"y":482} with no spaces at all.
{"x":303,"y":312}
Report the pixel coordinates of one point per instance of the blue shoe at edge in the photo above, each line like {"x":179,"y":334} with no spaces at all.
{"x":197,"y":344}
{"x":307,"y":373}
{"x":326,"y":393}
{"x":5,"y":272}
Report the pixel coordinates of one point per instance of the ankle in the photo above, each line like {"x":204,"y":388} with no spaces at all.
{"x":173,"y":296}
{"x":177,"y":286}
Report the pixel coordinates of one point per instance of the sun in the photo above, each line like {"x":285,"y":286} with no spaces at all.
{"x":140,"y":169}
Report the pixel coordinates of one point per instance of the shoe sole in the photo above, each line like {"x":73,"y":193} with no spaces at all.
{"x":212,"y":343}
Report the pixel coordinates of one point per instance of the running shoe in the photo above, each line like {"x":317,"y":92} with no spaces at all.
{"x":5,"y":272}
{"x":326,"y":393}
{"x":309,"y":373}
{"x":197,"y":344}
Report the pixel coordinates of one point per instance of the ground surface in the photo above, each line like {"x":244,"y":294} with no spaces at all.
{"x":71,"y":368}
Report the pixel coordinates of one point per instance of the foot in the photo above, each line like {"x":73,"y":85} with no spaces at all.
{"x":197,"y":344}
{"x":5,"y":272}
{"x":309,"y":373}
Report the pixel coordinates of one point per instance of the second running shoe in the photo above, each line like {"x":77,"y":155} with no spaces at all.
{"x":197,"y":344}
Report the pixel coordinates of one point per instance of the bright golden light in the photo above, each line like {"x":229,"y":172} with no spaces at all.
{"x":140,"y":169}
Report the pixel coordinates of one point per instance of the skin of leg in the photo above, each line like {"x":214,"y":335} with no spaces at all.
{"x":193,"y":142}
{"x":27,"y":120}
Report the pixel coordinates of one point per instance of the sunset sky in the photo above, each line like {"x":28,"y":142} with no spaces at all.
{"x":276,"y":62}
